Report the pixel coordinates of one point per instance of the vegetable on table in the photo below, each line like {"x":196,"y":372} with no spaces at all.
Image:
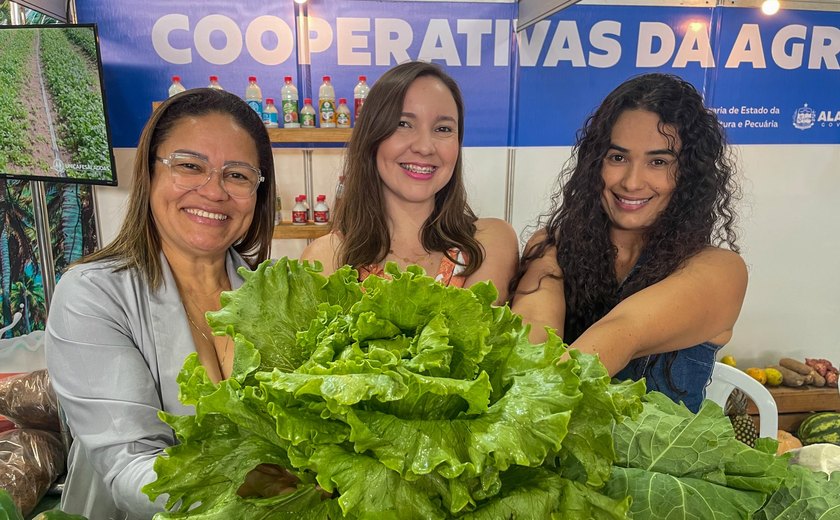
{"x":757,"y":373}
{"x":774,"y":377}
{"x":812,"y":377}
{"x":787,"y":442}
{"x":789,"y":377}
{"x":825,"y":369}
{"x":823,"y":427}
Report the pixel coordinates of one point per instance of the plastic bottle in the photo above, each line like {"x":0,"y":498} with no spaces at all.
{"x":299,"y":212}
{"x":278,"y":206}
{"x":360,"y":93}
{"x":289,"y":100}
{"x":326,"y":103}
{"x":214,"y":83}
{"x":321,"y":212}
{"x":307,"y":114}
{"x":306,"y":205}
{"x":339,"y":189}
{"x":253,"y":95}
{"x":342,"y":114}
{"x":176,"y":86}
{"x":270,"y":115}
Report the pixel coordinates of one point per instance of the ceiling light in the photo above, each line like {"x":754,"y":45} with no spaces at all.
{"x":770,"y":7}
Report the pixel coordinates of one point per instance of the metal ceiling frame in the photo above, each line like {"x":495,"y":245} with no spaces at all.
{"x":532,"y":11}
{"x":53,"y":8}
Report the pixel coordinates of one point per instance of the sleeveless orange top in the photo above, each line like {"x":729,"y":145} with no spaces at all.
{"x":448,"y":272}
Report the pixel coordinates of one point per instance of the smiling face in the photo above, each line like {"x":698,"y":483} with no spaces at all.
{"x":206,"y":221}
{"x":639,"y":171}
{"x":418,"y":159}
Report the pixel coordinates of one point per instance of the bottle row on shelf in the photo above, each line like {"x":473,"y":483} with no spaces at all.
{"x":329,"y":114}
{"x":302,"y":214}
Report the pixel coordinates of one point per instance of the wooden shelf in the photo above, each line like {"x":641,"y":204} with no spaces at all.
{"x":309,"y":135}
{"x":310,"y":230}
{"x":795,"y":404}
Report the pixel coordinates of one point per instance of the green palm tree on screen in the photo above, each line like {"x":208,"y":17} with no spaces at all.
{"x":16,"y":238}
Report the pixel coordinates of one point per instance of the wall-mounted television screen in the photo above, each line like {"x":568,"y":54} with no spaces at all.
{"x":53,"y":122}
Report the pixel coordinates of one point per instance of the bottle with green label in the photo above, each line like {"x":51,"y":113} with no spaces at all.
{"x":289,"y":104}
{"x":342,"y":114}
{"x":326,"y":103}
{"x":307,"y":114}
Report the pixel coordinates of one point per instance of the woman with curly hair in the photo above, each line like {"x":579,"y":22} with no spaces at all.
{"x":637,"y":261}
{"x":404,"y":197}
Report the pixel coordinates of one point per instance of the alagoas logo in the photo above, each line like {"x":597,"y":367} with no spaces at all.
{"x":804,"y":117}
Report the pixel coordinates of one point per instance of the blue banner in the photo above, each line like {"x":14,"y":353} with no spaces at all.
{"x":777,"y":78}
{"x":772,"y":80}
{"x":143,"y":48}
{"x":571,"y":61}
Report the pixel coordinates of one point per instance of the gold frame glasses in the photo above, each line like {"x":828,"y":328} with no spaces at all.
{"x":191,"y":172}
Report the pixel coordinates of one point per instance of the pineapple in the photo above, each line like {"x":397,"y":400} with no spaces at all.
{"x":736,"y":409}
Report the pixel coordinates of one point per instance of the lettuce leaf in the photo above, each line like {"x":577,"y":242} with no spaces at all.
{"x":678,"y":465}
{"x":403,"y":397}
{"x":804,"y":494}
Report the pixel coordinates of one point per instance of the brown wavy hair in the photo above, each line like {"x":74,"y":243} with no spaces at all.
{"x":360,"y":216}
{"x":137,"y":245}
{"x":699,"y":214}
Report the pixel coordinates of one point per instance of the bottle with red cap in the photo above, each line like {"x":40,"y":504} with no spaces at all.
{"x":253,"y":95}
{"x":321,"y":212}
{"x":326,"y":103}
{"x":307,"y":114}
{"x":299,"y":212}
{"x":306,"y":207}
{"x":342,"y":114}
{"x":214,"y":83}
{"x":176,"y":86}
{"x":360,"y":93}
{"x":270,"y":114}
{"x":289,"y":103}
{"x":339,"y":189}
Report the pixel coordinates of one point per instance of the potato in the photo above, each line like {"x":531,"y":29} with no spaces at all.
{"x":789,"y":377}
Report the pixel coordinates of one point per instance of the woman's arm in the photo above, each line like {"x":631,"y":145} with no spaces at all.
{"x":501,"y":255}
{"x":106,"y":388}
{"x":323,"y":250}
{"x":699,"y":302}
{"x":539,"y":297}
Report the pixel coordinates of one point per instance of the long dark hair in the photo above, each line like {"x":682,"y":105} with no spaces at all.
{"x":360,"y":216}
{"x":137,"y":245}
{"x":700,"y":212}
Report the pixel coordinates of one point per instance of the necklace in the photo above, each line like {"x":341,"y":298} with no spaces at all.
{"x":212,"y":343}
{"x":411,"y":259}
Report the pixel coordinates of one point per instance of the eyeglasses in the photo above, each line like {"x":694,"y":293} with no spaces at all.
{"x":190,"y":172}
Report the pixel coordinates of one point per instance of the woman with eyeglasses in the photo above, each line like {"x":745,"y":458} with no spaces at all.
{"x":124,"y":318}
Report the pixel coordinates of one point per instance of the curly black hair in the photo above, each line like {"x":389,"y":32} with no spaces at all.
{"x":700,"y":212}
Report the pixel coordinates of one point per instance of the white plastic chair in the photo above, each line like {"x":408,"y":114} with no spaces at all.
{"x":726,"y":378}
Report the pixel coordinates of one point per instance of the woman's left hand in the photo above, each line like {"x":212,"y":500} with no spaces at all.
{"x":267,"y":480}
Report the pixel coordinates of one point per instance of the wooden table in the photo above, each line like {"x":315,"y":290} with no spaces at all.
{"x":795,"y":404}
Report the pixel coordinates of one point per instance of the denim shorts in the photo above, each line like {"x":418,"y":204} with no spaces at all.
{"x":690,"y":373}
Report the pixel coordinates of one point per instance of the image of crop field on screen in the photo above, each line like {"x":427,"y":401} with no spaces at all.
{"x":53,"y":122}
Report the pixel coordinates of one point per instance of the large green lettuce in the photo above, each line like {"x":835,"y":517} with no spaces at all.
{"x":402,"y":397}
{"x":407,"y":399}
